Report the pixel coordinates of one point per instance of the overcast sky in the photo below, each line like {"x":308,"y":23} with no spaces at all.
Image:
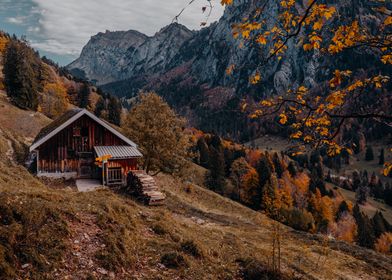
{"x":60,"y":28}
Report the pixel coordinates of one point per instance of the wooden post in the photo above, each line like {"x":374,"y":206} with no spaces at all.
{"x":37,"y":158}
{"x":103,"y":173}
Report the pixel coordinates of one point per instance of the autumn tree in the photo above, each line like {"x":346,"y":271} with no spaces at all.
{"x":384,"y":243}
{"x":22,"y":70}
{"x":159,"y":132}
{"x":269,"y":196}
{"x":239,"y":168}
{"x":251,"y":188}
{"x":317,"y":119}
{"x":53,"y":101}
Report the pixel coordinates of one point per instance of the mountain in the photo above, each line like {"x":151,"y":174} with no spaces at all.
{"x":192,"y":75}
{"x":114,"y":56}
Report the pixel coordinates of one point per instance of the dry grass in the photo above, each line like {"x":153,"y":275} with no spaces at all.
{"x":205,"y":235}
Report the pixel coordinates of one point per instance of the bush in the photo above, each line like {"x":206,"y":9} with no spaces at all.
{"x":191,"y":248}
{"x":159,"y":229}
{"x":173,"y":260}
{"x":298,"y":219}
{"x":255,"y":270}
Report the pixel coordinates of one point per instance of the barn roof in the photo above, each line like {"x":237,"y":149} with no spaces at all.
{"x":118,"y":152}
{"x":68,"y":118}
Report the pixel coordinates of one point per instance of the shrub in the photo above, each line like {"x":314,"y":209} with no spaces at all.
{"x":384,"y":243}
{"x":298,"y":219}
{"x":173,"y":260}
{"x":191,"y":248}
{"x":255,"y":270}
{"x":159,"y":229}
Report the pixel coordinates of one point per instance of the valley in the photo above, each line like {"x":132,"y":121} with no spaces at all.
{"x":105,"y":234}
{"x":255,"y":147}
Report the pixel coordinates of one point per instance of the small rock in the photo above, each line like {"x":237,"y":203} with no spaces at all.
{"x":102,"y":270}
{"x":76,"y":242}
{"x":112,"y":275}
{"x":161,"y":266}
{"x":26,"y":265}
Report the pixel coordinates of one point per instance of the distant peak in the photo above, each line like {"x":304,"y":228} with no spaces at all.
{"x":173,"y":27}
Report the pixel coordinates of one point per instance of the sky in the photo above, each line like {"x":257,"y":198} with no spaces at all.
{"x":59,"y":29}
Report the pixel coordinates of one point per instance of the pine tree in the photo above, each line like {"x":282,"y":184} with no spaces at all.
{"x":216,"y":177}
{"x":292,"y":168}
{"x":203,"y":152}
{"x":388,"y":194}
{"x":263,"y":169}
{"x":343,"y":208}
{"x":380,"y":225}
{"x":365,"y":233}
{"x":84,"y":96}
{"x":114,"y":110}
{"x":362,"y":194}
{"x":278,"y":165}
{"x":356,"y":180}
{"x":317,"y":183}
{"x":99,"y":107}
{"x":22,"y":71}
{"x":381,"y":158}
{"x":369,"y":155}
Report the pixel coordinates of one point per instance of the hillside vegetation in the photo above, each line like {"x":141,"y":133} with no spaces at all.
{"x":48,"y":233}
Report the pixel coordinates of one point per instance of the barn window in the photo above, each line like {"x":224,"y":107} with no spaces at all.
{"x":84,"y":132}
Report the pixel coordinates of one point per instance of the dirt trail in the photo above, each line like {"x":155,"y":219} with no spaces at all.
{"x":10,"y":152}
{"x":84,"y":243}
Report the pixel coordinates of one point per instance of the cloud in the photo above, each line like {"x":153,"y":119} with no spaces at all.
{"x":16,"y":20}
{"x":64,"y":27}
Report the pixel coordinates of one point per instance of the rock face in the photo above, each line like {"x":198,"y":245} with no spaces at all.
{"x":189,"y":68}
{"x":115,"y":56}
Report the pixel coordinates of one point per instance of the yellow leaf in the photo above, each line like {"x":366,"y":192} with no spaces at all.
{"x":388,"y":20}
{"x":296,"y":135}
{"x":255,"y":78}
{"x":283,"y":118}
{"x":317,"y":25}
{"x":226,"y":2}
{"x":261,"y":40}
{"x":307,"y":47}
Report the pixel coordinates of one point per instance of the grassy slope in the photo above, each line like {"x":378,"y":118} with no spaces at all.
{"x":48,"y":233}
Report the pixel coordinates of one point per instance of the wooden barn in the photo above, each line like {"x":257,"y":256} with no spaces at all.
{"x":80,"y":145}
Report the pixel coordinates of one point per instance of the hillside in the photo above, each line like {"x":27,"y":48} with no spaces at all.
{"x":57,"y":232}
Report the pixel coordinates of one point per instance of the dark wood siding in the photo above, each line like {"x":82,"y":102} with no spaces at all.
{"x":65,"y":151}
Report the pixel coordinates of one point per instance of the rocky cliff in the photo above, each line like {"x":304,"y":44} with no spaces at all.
{"x":115,"y":56}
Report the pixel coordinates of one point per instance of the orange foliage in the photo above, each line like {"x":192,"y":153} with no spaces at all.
{"x":345,"y":229}
{"x":250,"y":185}
{"x":253,"y":157}
{"x":384,"y":243}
